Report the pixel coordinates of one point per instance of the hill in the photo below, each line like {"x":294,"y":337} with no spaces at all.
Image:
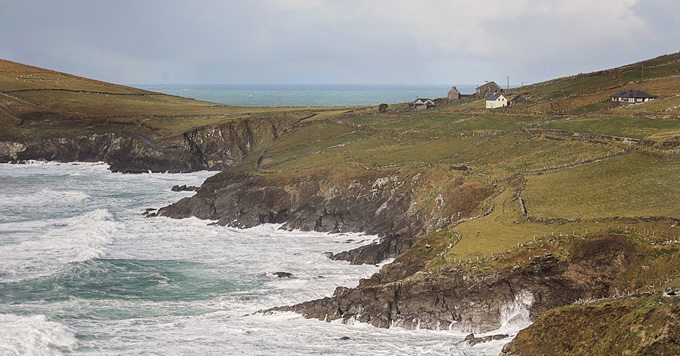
{"x":147,"y":130}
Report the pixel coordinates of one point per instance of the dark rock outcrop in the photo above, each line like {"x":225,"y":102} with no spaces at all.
{"x":184,"y":188}
{"x":245,"y":200}
{"x":460,"y":301}
{"x":209,"y":148}
{"x":380,"y":205}
{"x":283,"y":274}
{"x":472,"y":340}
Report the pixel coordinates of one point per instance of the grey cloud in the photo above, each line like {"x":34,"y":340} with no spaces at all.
{"x":325,"y":41}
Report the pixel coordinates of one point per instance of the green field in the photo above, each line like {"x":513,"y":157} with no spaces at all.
{"x":638,"y":184}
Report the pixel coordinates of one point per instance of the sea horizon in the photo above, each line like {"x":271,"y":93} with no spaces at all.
{"x":306,"y":94}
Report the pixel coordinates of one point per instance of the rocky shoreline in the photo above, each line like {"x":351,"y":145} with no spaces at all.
{"x":455,"y":300}
{"x":373,"y":204}
{"x":403,"y":294}
{"x":208,"y":148}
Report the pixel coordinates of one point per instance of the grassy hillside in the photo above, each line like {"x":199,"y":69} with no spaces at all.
{"x":36,"y":102}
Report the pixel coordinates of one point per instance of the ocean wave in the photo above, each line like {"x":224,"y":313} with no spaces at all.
{"x":44,"y":197}
{"x":46,"y":246}
{"x":34,"y":335}
{"x":32,"y":168}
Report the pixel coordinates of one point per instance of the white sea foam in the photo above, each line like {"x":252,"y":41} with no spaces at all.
{"x":515,"y":315}
{"x":43,"y":197}
{"x":32,"y":249}
{"x":34,"y":335}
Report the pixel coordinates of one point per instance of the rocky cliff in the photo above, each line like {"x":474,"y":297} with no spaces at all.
{"x":205,"y":148}
{"x":374,"y":203}
{"x":473,"y":302}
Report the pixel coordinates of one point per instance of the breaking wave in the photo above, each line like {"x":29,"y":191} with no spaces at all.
{"x":39,"y":248}
{"x":34,"y":335}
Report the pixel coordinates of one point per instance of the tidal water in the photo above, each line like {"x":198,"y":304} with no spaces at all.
{"x":83,"y":272}
{"x":306,"y":95}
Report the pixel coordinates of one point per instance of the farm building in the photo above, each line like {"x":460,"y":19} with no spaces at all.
{"x":632,"y":97}
{"x":496,"y":100}
{"x":422,"y":104}
{"x":487,"y":89}
{"x":454,"y":94}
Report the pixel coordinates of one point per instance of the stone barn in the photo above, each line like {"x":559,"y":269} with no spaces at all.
{"x":487,"y":89}
{"x":454,"y":94}
{"x":422,"y":104}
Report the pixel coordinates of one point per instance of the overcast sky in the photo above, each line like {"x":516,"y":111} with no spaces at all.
{"x":336,"y":41}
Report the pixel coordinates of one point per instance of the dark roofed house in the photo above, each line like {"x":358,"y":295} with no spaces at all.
{"x":632,"y":97}
{"x":422,"y":103}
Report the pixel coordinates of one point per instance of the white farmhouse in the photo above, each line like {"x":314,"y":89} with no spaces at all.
{"x":632,"y":97}
{"x":496,"y":100}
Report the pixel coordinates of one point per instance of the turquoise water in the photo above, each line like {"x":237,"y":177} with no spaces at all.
{"x":306,"y":95}
{"x":83,"y":272}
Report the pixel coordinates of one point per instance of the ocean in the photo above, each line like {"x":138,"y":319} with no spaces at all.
{"x":82,"y":272}
{"x":306,"y":95}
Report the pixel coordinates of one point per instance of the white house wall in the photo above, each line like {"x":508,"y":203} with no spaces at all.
{"x":494,"y":104}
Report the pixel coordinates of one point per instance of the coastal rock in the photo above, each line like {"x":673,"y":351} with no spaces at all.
{"x":209,"y":148}
{"x":472,"y":340}
{"x":184,"y":188}
{"x":283,"y":274}
{"x":10,"y":150}
{"x":459,"y":301}
{"x":369,"y":204}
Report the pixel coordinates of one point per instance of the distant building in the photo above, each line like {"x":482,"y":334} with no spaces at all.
{"x":422,"y":104}
{"x":632,"y":97}
{"x":496,"y":100}
{"x":487,"y":89}
{"x":454,"y":94}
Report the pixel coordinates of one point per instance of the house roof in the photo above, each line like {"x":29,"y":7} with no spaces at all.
{"x":422,"y":100}
{"x":454,"y":89}
{"x":491,"y":85}
{"x":494,"y":96}
{"x":633,"y":94}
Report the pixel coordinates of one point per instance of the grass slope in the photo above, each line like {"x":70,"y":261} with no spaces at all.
{"x":634,"y":326}
{"x":36,"y":102}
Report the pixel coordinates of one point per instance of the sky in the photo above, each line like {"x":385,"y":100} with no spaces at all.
{"x":335,"y":41}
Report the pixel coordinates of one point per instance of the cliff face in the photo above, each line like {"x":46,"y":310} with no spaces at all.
{"x":476,"y":303}
{"x":208,"y":148}
{"x":374,"y":204}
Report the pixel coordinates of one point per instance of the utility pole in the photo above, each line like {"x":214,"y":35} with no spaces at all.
{"x":643,"y":72}
{"x":508,"y":86}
